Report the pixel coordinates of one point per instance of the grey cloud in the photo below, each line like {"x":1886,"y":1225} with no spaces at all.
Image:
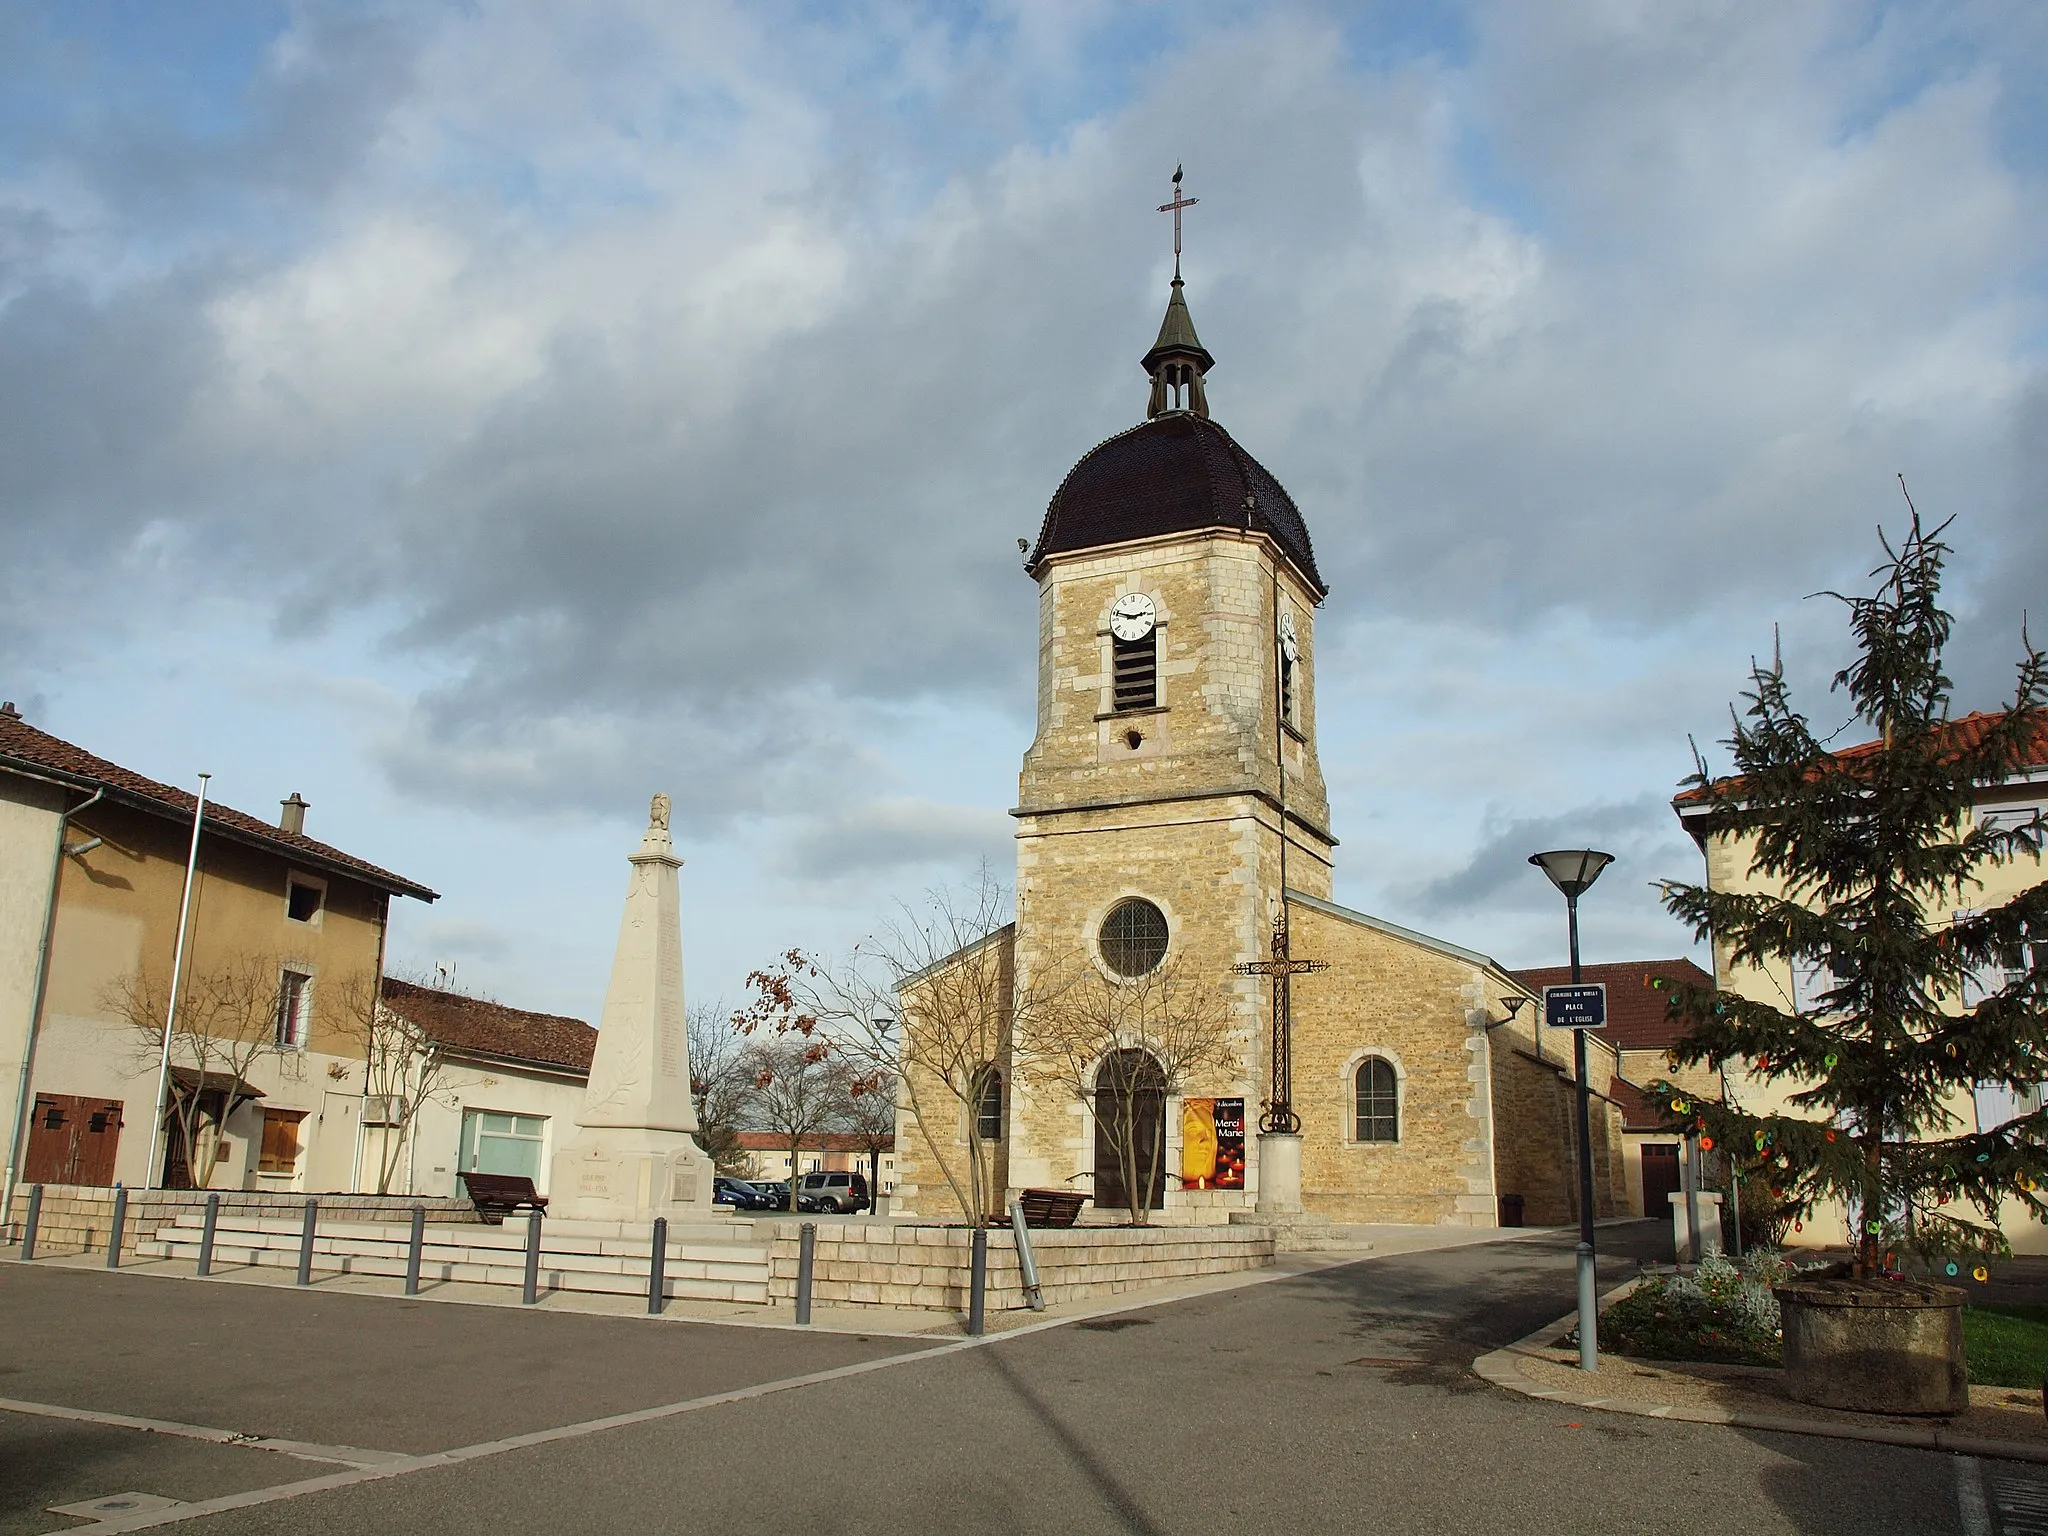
{"x":889,"y":836}
{"x":681,"y":527}
{"x":1642,"y":834}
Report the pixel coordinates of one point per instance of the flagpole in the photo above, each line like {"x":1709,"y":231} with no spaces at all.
{"x":151,"y":1179}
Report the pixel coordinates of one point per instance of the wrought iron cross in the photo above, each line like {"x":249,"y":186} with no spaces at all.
{"x":1283,"y":968}
{"x":1174,"y":208}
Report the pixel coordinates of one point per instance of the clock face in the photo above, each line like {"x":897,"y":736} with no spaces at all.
{"x":1131,"y":616}
{"x":1290,"y":646}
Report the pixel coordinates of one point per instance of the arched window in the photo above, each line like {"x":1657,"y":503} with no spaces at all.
{"x":988,"y":1105}
{"x":1133,"y":937}
{"x":1379,"y":1101}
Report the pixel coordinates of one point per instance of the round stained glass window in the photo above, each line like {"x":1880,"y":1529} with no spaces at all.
{"x":1133,"y":937}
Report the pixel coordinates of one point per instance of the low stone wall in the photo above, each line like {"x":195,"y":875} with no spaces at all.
{"x":909,"y":1266}
{"x":77,"y":1218}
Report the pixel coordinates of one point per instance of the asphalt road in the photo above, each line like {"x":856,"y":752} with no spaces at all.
{"x":1335,"y":1401}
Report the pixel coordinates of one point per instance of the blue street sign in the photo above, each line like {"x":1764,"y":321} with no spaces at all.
{"x":1582,"y":1007}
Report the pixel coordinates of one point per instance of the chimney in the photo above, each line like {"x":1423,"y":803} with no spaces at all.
{"x":9,"y":712}
{"x":292,"y":818}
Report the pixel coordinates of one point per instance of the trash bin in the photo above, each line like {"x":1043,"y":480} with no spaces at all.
{"x":1511,"y":1210}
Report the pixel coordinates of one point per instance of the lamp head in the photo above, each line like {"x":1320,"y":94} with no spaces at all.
{"x":1572,"y":870}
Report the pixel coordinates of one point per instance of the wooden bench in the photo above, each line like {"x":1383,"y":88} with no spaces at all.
{"x":498,"y":1195}
{"x":1051,"y":1207}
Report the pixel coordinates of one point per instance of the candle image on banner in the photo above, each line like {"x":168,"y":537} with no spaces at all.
{"x":1212,"y":1144}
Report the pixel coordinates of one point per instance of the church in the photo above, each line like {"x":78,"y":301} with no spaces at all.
{"x":1172,"y":812}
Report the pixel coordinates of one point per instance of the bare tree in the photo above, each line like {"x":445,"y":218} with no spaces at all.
{"x":722,"y":1085}
{"x":228,"y":1019}
{"x":930,"y":1005}
{"x":1124,"y":1048}
{"x":800,"y":1092}
{"x":403,"y":1066}
{"x":871,"y":1122}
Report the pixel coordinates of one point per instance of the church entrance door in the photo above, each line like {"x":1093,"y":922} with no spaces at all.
{"x":1130,"y":1112}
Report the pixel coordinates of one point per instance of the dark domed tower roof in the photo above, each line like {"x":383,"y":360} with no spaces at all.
{"x":1177,"y":473}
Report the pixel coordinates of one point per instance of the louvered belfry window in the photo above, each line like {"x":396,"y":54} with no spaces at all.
{"x":1137,"y":672}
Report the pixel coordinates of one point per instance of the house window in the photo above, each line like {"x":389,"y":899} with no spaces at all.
{"x":1133,"y":937}
{"x":294,"y":993}
{"x":499,"y":1143}
{"x":988,"y":1105}
{"x":280,"y":1152}
{"x":303,"y":899}
{"x":1811,"y":980}
{"x":1135,"y":671}
{"x":1379,"y":1101}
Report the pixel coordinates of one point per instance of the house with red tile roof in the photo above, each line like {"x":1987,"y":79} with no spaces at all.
{"x":278,"y":948}
{"x":470,"y":1086}
{"x":822,"y":1152}
{"x":1642,"y":1034}
{"x":2020,"y":796}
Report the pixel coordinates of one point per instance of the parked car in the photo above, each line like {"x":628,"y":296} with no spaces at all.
{"x":840,"y":1193}
{"x":774,"y":1191}
{"x":739,"y":1194}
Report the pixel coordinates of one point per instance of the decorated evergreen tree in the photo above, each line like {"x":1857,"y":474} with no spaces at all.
{"x":1921,"y":995}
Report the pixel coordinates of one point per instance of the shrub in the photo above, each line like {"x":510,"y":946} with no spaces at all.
{"x":1721,"y":1311}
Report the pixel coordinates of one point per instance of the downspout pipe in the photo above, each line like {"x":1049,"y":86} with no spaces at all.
{"x":35,"y":1007}
{"x":150,"y":1179}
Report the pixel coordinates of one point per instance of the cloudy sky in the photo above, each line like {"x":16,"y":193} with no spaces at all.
{"x":479,"y":416}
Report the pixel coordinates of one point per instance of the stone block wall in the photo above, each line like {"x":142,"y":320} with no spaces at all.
{"x":899,"y":1265}
{"x":1420,"y":1010}
{"x":78,"y":1218}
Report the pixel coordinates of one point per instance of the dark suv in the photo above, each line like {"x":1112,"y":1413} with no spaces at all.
{"x":840,"y":1193}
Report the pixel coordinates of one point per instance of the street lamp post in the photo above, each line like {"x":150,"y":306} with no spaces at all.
{"x":1573,"y":871}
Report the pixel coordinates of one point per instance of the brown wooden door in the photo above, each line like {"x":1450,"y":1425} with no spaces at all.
{"x":1660,"y":1179}
{"x":1130,"y":1095}
{"x":72,"y":1140}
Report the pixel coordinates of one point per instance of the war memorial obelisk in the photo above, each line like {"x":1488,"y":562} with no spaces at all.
{"x":633,"y":1157}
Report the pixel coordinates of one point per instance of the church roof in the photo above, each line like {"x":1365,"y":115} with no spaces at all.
{"x":1177,"y":334}
{"x":1177,"y":473}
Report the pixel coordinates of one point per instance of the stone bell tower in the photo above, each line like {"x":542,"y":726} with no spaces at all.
{"x":1177,"y":592}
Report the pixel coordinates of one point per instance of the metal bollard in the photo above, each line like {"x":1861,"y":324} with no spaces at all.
{"x":806,"y":1259}
{"x":1027,"y":1261}
{"x":977,"y":1284}
{"x":657,"y":1267}
{"x":412,"y":1253}
{"x":206,"y":1234}
{"x":120,"y":1222}
{"x":1589,"y":1312}
{"x":306,"y":1242}
{"x":35,"y":1219}
{"x":532,"y":1292}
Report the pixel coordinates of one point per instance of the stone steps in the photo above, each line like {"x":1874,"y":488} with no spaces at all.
{"x":592,"y":1262}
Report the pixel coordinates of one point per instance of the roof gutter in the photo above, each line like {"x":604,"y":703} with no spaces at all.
{"x":42,"y":987}
{"x":384,"y":880}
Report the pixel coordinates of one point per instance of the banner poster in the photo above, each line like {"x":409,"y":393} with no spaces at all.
{"x":1212,"y":1143}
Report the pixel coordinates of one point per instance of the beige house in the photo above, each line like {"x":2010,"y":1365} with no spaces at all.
{"x":284,"y":947}
{"x":1171,"y":810}
{"x":2021,"y":797}
{"x":822,"y":1152}
{"x":486,"y":1089}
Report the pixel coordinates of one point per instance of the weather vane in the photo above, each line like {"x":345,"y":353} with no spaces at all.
{"x":1174,"y":208}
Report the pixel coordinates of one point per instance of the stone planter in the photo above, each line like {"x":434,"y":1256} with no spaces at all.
{"x":1874,"y":1346}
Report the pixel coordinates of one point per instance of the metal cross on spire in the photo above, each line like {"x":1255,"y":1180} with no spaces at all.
{"x":1174,"y":208}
